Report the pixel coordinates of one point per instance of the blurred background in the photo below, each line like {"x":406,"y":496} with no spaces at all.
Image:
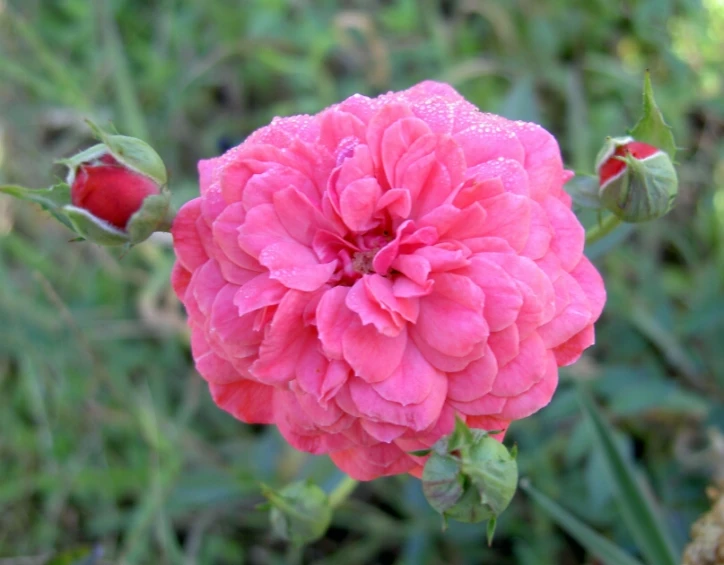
{"x":108,"y":437}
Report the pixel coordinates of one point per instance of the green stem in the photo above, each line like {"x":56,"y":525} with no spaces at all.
{"x":294,"y":555}
{"x":341,"y":492}
{"x":602,"y":229}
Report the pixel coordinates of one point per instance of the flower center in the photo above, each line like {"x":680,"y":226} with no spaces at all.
{"x":362,"y":261}
{"x":358,"y":253}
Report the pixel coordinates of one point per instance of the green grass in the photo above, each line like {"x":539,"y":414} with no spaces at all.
{"x":107,"y":435}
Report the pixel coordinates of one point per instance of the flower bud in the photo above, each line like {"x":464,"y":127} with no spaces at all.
{"x":637,"y":181}
{"x":470,"y":476}
{"x":110,"y":191}
{"x":117,"y":190}
{"x":300,"y":512}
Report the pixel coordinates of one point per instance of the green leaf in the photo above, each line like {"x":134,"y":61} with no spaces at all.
{"x":579,"y":134}
{"x":77,"y":556}
{"x":521,"y":103}
{"x":584,"y":191}
{"x":637,"y":508}
{"x":594,"y":543}
{"x":666,"y":341}
{"x":652,"y":128}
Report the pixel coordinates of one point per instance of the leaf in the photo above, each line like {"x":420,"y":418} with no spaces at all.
{"x":636,"y":507}
{"x":594,"y":543}
{"x":577,"y":124}
{"x":77,"y":556}
{"x":675,"y":353}
{"x":652,"y":128}
{"x":521,"y":102}
{"x":584,"y":191}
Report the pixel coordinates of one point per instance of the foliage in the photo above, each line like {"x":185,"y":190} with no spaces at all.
{"x":108,"y":436}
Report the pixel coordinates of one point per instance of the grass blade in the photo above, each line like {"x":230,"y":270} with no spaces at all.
{"x":636,"y":507}
{"x":134,"y":121}
{"x":595,"y":543}
{"x":46,"y":58}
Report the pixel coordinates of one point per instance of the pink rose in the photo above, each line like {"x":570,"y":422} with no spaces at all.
{"x":360,"y":276}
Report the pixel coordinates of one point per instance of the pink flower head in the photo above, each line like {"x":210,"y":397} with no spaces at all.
{"x":361,"y":276}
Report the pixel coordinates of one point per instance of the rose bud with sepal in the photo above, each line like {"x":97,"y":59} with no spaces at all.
{"x":300,"y":512}
{"x":118,"y":191}
{"x":637,"y":181}
{"x":470,"y":476}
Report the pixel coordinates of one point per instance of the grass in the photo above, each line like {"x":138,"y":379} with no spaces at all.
{"x":107,"y":435}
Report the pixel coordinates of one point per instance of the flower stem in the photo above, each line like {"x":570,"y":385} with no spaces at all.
{"x":602,"y":229}
{"x":341,"y":492}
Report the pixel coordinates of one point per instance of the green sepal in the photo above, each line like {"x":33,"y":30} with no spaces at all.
{"x":94,"y":229}
{"x":461,"y":437}
{"x":652,"y":128}
{"x":154,"y":215}
{"x":86,"y":156}
{"x":420,"y":452}
{"x":300,"y":513}
{"x":442,"y":483}
{"x":470,"y":476}
{"x":49,"y":198}
{"x":609,"y":147}
{"x":469,"y":509}
{"x":494,"y":472}
{"x":645,"y":191}
{"x":133,"y":153}
{"x":492,"y":523}
{"x":444,"y":523}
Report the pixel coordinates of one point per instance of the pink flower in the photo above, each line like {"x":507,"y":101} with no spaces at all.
{"x":360,"y":276}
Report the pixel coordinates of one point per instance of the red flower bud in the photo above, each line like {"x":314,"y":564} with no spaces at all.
{"x":115,"y":192}
{"x":111,"y":191}
{"x":612,"y":168}
{"x":118,"y":192}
